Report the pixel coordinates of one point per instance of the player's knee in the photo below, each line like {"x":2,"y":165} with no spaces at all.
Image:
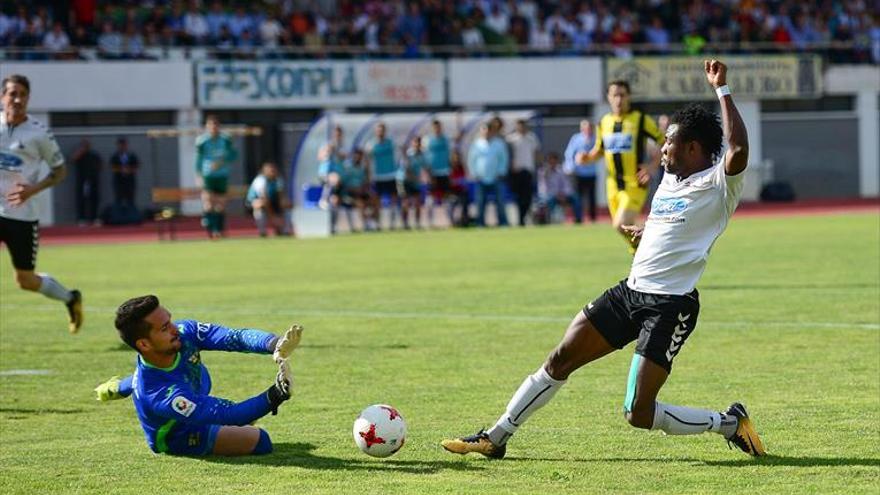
{"x":557,"y":365}
{"x":640,"y":417}
{"x":264,"y":444}
{"x":27,"y":281}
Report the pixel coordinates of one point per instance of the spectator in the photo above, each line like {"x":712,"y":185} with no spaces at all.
{"x":269,"y":201}
{"x":471,"y":36}
{"x":540,"y":40}
{"x":437,"y":151}
{"x":487,"y":163}
{"x":196,"y":29}
{"x":241,"y":21}
{"x":82,"y":37}
{"x":458,"y":184}
{"x":110,"y":42}
{"x":657,"y":35}
{"x":27,"y":41}
{"x":270,"y":32}
{"x":330,"y":174}
{"x":216,"y":18}
{"x":87,"y":164}
{"x":497,"y":20}
{"x":56,"y":41}
{"x":584,"y":174}
{"x":6,"y":29}
{"x":410,"y":179}
{"x":383,"y":170}
{"x":526,"y":151}
{"x":356,"y":192}
{"x":554,"y":188}
{"x":133,"y":42}
{"x":124,"y":166}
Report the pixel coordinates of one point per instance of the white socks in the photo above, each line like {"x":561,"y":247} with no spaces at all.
{"x":680,"y":420}
{"x":536,"y":390}
{"x":50,"y":288}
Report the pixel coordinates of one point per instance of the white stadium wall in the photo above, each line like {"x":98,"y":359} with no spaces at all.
{"x":525,"y":81}
{"x":106,"y":86}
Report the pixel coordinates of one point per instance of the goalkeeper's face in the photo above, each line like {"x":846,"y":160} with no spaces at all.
{"x":164,"y":338}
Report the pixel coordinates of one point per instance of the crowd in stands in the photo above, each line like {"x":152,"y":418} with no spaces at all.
{"x":848,"y":31}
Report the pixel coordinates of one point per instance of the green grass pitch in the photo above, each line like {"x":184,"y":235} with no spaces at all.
{"x":444,"y":325}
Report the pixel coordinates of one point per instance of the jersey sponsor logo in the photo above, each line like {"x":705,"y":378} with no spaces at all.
{"x":183,"y":406}
{"x":617,"y":142}
{"x":202,"y":330}
{"x":170,"y":391}
{"x":10,"y":162}
{"x":677,"y":339}
{"x":668,"y":206}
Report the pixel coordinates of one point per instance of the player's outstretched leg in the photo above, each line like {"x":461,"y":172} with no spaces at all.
{"x":581,"y":344}
{"x":745,"y":437}
{"x":642,"y":410}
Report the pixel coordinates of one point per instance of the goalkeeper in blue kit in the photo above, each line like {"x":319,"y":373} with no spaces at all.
{"x":171,"y":386}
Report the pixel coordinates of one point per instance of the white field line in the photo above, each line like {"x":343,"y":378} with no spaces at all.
{"x":195,"y":311}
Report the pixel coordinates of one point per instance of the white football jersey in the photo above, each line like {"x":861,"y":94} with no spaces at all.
{"x":23,"y":149}
{"x":686,"y":218}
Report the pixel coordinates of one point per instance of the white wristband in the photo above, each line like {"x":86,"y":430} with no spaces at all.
{"x":722,"y":91}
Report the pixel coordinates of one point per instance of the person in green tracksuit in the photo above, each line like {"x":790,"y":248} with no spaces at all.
{"x":215,"y":154}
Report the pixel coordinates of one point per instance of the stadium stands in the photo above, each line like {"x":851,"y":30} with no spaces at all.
{"x":844,"y":31}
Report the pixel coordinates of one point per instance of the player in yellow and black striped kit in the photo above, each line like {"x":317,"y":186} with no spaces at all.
{"x":621,"y":137}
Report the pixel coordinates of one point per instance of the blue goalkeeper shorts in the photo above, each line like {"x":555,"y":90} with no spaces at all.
{"x":191,"y":440}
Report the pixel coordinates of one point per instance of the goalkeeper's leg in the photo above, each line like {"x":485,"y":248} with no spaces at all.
{"x":241,"y":440}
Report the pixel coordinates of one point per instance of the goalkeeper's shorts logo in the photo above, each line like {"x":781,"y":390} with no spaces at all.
{"x":183,"y":406}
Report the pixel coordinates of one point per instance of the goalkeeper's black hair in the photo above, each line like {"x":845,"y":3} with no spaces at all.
{"x":697,"y":123}
{"x":130,"y":318}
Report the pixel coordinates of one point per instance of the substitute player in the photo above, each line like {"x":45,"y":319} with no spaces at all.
{"x":171,"y":385}
{"x":24,"y":144}
{"x":621,"y":137}
{"x":215,"y":153}
{"x":658,"y":304}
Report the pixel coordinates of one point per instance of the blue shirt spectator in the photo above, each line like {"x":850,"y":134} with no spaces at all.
{"x":583,"y":141}
{"x":488,"y":159}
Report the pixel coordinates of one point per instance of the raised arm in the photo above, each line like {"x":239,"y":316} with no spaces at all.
{"x":215,"y":337}
{"x":736,"y":158}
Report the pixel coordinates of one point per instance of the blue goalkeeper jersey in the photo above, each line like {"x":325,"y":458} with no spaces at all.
{"x":178,"y":395}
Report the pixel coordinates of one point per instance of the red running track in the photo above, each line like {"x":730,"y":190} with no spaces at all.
{"x":188,"y":228}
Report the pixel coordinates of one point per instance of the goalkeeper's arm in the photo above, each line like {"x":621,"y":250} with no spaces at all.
{"x":114,"y":388}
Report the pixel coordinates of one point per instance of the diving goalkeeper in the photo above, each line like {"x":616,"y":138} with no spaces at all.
{"x":171,"y":385}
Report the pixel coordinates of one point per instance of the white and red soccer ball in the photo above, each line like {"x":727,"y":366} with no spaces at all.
{"x":379,"y":431}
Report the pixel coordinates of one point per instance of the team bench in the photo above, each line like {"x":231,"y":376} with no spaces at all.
{"x":167,"y":202}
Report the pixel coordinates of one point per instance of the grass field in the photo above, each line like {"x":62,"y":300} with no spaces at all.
{"x":444,"y":325}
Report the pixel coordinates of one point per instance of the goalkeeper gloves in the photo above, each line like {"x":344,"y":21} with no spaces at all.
{"x":109,"y":390}
{"x":287,"y":343}
{"x":280,"y":390}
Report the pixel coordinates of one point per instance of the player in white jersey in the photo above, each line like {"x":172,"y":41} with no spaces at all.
{"x":658,"y":304}
{"x":24,"y":145}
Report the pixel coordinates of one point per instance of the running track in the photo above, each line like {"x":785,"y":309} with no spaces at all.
{"x":243,"y":227}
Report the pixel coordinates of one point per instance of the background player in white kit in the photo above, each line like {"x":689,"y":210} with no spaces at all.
{"x":658,"y":304}
{"x":24,"y":145}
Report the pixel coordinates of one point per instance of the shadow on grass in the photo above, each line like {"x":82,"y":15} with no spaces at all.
{"x":34,"y":411}
{"x":768,"y":460}
{"x":781,"y":460}
{"x":301,"y":455}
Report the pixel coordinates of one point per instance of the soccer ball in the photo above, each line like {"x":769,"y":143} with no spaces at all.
{"x":379,"y":431}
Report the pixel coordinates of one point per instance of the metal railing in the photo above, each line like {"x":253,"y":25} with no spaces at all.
{"x":834,"y":51}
